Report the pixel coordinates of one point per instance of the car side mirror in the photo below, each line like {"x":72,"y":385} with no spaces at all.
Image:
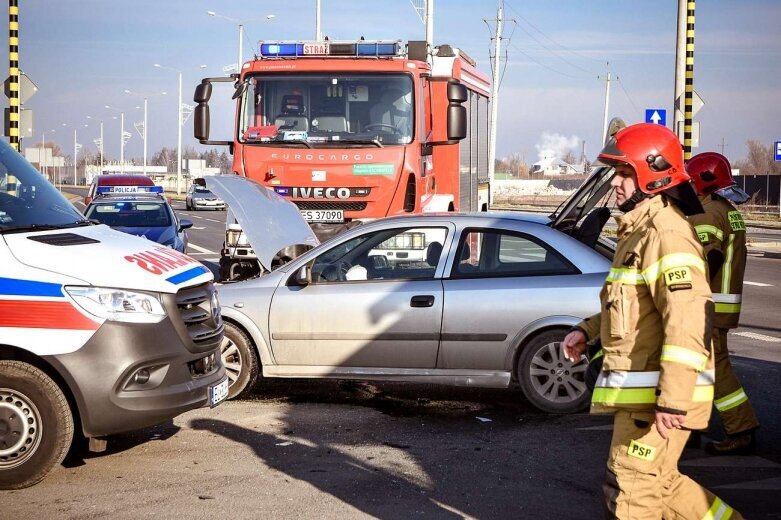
{"x":185,"y":224}
{"x":304,"y":275}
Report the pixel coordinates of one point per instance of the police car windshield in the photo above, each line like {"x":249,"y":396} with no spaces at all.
{"x":328,"y":110}
{"x":130,"y":214}
{"x":27,"y":200}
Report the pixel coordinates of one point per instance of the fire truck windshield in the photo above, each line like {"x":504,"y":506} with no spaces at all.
{"x":327,"y":110}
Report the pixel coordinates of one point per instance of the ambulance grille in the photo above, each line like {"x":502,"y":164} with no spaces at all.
{"x":346,"y":206}
{"x":195,"y":310}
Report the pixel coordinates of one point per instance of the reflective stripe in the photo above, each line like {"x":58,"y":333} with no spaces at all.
{"x":732,"y":400}
{"x":614,"y":396}
{"x":625,"y":276}
{"x":727,"y":308}
{"x":624,"y":379}
{"x":718,"y":511}
{"x":713,"y":230}
{"x":652,"y":272}
{"x":726,"y":269}
{"x":684,"y":356}
{"x":727,"y":298}
{"x":598,"y":355}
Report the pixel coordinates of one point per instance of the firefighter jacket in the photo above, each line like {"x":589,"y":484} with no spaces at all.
{"x":656,"y":323}
{"x":721,"y":228}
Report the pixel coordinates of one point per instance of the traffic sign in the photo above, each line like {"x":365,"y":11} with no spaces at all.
{"x":697,"y":103}
{"x":26,"y":88}
{"x":778,"y":151}
{"x":657,"y":116}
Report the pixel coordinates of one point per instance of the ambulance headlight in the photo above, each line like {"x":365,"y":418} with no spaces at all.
{"x":118,"y":305}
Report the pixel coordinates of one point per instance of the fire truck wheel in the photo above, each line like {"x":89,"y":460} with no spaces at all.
{"x":548,"y":380}
{"x":36,"y":425}
{"x":240,"y":360}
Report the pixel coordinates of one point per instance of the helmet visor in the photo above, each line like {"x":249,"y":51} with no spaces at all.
{"x":733,"y":194}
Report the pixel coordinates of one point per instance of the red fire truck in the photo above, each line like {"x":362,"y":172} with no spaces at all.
{"x":353,"y":130}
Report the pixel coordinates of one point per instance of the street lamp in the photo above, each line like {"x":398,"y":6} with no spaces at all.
{"x":42,"y":158}
{"x":146,"y":97}
{"x":121,"y":136}
{"x":179,"y":125}
{"x":101,"y":144}
{"x":240,"y":23}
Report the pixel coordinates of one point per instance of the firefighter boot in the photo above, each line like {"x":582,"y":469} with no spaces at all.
{"x":743,"y":443}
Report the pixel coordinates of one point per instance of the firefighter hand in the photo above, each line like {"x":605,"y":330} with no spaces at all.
{"x":574,"y":345}
{"x":666,"y":422}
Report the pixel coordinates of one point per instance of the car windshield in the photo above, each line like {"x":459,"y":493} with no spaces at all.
{"x":201,"y":189}
{"x":27,"y":200}
{"x":327,"y":110}
{"x":141,"y":214}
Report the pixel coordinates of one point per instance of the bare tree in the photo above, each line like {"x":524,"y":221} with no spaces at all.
{"x":759,"y":160}
{"x":570,"y":158}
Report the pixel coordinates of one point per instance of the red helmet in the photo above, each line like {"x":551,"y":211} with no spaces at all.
{"x":711,"y":172}
{"x":653,"y":151}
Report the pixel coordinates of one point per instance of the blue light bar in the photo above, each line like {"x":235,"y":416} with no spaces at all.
{"x":377,"y":49}
{"x":129,"y":189}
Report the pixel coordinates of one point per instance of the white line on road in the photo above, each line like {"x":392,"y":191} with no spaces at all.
{"x":200,"y":249}
{"x":199,"y":228}
{"x":212,"y":220}
{"x":754,"y":335}
{"x":758,"y":284}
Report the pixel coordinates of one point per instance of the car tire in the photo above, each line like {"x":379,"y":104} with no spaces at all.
{"x":29,"y":453}
{"x":241,"y":361}
{"x":548,"y":380}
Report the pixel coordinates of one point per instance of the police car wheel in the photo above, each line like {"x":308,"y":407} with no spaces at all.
{"x":36,"y":425}
{"x":240,"y":360}
{"x":548,"y":380}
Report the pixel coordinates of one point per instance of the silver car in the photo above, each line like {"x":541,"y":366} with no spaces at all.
{"x":199,"y":197}
{"x":478,"y":300}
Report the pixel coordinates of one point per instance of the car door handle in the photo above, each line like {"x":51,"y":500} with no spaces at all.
{"x":426,"y":300}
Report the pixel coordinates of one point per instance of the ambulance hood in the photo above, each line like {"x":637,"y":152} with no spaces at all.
{"x":270,"y":222}
{"x":101,"y":256}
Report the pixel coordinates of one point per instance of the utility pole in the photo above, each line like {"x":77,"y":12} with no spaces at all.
{"x":494,"y":101}
{"x":722,"y":146}
{"x":13,"y":75}
{"x":318,"y":34}
{"x":607,"y":102}
{"x":684,"y":74}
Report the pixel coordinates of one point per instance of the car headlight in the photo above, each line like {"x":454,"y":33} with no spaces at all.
{"x":118,"y":305}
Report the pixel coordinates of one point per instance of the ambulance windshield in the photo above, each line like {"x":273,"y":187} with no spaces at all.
{"x":28,"y":201}
{"x":327,"y":109}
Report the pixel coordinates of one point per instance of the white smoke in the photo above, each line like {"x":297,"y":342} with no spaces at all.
{"x":555,"y":146}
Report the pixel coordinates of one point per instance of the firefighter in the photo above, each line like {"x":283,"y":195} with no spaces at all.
{"x":723,"y":235}
{"x":655,"y":328}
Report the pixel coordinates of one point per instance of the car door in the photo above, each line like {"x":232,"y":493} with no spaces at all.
{"x":501,"y":281}
{"x":375,"y":300}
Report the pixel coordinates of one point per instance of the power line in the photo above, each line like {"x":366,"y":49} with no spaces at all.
{"x":547,"y":66}
{"x":621,"y":84}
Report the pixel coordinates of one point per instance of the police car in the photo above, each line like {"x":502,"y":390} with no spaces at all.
{"x":140,"y":211}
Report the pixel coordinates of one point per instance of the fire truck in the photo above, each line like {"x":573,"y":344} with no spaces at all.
{"x":356,"y":130}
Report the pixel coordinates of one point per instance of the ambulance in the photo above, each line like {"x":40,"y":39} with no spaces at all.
{"x":100,"y":332}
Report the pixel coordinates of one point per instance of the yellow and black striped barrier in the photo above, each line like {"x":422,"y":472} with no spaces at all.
{"x":688,"y":93}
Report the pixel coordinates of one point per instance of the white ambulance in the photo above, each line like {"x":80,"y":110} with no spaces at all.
{"x":100,"y":332}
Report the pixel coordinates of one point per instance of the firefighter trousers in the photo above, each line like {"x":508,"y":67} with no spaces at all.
{"x":643,"y":481}
{"x":730,"y":399}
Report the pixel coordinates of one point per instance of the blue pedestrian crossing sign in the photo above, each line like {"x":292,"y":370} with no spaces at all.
{"x":657,"y":116}
{"x":778,"y":151}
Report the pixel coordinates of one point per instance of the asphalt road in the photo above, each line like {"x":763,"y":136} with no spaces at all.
{"x":307,"y":449}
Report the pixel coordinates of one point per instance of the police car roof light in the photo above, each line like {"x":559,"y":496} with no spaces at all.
{"x":105,"y":190}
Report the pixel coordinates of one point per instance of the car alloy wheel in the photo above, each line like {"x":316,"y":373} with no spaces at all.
{"x":551,"y":382}
{"x":240,"y":360}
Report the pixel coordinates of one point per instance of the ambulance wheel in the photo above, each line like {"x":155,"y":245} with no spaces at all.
{"x":548,"y":380}
{"x":36,"y":425}
{"x":240,"y":360}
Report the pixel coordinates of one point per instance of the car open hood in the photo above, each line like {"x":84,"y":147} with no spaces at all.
{"x":270,"y":222}
{"x":593,"y":190}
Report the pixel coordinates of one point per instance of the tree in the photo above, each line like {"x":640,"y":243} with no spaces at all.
{"x":569,"y":157}
{"x":759,"y":160}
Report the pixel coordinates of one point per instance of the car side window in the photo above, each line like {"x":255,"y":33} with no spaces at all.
{"x":388,"y":254}
{"x":494,"y":253}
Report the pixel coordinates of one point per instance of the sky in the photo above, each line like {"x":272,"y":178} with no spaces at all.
{"x":84,"y":54}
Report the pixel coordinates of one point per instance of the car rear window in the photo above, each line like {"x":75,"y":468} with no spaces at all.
{"x":130,"y":214}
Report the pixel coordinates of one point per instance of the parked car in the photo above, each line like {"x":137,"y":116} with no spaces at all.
{"x":140,"y":211}
{"x":117,"y":183}
{"x":199,"y":197}
{"x":487,"y":305}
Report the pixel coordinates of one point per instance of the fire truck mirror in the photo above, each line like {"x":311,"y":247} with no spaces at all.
{"x":201,"y":123}
{"x":203,"y":92}
{"x":457,"y":93}
{"x":456,"y":122}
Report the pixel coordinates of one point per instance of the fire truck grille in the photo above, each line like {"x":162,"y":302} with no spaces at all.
{"x":195,"y":311}
{"x":346,"y":206}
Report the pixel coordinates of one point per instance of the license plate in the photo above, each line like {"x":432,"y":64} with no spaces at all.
{"x":323,"y":215}
{"x":218,"y":393}
{"x":315,"y":48}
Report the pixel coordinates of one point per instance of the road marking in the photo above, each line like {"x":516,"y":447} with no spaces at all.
{"x":754,"y":335}
{"x":757,"y":284}
{"x":212,"y":220}
{"x":196,"y":216}
{"x":199,"y":228}
{"x":200,"y":249}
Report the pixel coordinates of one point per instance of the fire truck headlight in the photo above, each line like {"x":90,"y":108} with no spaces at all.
{"x":118,"y":305}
